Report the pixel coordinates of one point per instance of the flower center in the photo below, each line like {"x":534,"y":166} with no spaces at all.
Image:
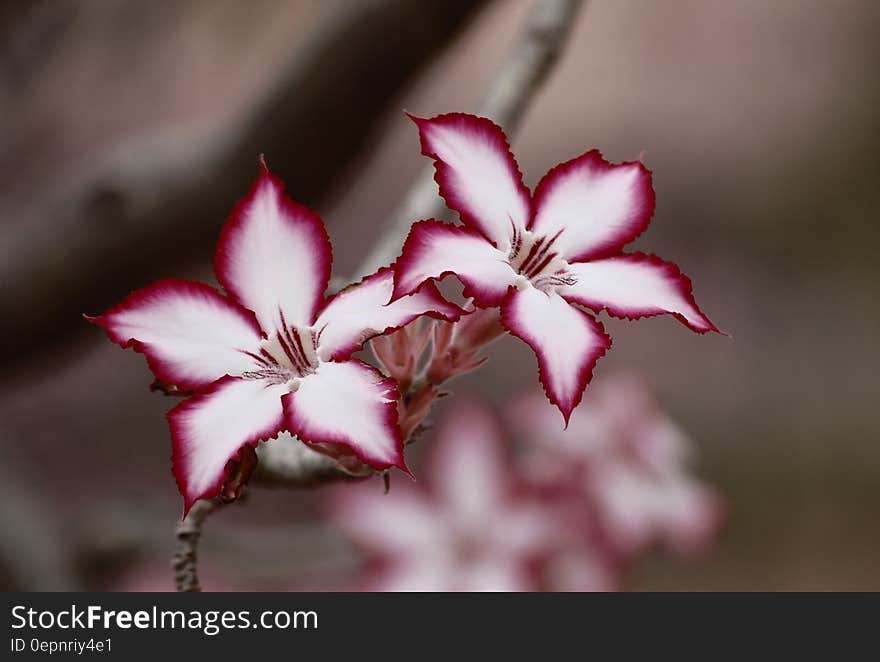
{"x":288,"y":354}
{"x":533,"y":258}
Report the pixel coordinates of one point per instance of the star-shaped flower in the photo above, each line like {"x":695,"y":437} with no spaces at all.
{"x":540,"y":257}
{"x":469,"y":526}
{"x":274,"y":354}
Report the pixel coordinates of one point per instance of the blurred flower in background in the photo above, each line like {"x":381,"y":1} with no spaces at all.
{"x":469,"y":526}
{"x":628,"y":460}
{"x":564,"y":510}
{"x":760,"y":121}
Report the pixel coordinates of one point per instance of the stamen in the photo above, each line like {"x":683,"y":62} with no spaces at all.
{"x":275,"y":375}
{"x":556,"y":280}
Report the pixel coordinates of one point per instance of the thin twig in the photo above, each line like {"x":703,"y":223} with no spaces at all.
{"x":284,"y":462}
{"x":188,"y":533}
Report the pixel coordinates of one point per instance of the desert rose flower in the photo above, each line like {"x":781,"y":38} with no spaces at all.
{"x":542,"y":257}
{"x":273,"y":354}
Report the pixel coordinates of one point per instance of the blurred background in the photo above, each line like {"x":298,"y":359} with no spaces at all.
{"x":130,"y":129}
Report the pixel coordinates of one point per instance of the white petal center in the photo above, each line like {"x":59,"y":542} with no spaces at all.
{"x":537,"y":262}
{"x":287,"y":355}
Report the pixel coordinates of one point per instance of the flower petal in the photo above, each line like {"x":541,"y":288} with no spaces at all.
{"x":492,"y":573}
{"x":436,"y":571}
{"x":431,"y":572}
{"x":691,"y":515}
{"x":274,"y":256}
{"x":210,"y":428}
{"x":403,"y":523}
{"x":477,"y":174}
{"x":362,"y":311}
{"x":351,"y":404}
{"x":190,"y":334}
{"x":467,"y":466}
{"x":636,"y":285}
{"x":567,"y":341}
{"x":581,"y":569}
{"x":597,"y":206}
{"x":434,"y":249}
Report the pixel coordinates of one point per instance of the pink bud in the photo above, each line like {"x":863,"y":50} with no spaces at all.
{"x":238,"y":473}
{"x":399,"y":352}
{"x":415,"y":410}
{"x":478,"y":329}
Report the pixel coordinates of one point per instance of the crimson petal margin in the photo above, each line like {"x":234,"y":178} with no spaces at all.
{"x":361,"y":311}
{"x":568,"y":342}
{"x":190,"y":334}
{"x":434,"y":250}
{"x":477,"y":174}
{"x":274,"y":256}
{"x":210,"y":428}
{"x":634,"y":285}
{"x":351,"y":404}
{"x":598,"y":206}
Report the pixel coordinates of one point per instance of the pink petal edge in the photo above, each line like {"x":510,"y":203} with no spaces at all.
{"x":595,"y":165}
{"x":671,"y":272}
{"x":445,"y":174}
{"x":163,"y":369}
{"x":585,"y":370}
{"x":179,"y":441}
{"x":310,"y":432}
{"x":294,"y":215}
{"x":436,"y":307}
{"x":419,"y":240}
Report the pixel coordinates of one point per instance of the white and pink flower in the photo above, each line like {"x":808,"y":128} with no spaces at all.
{"x":274,"y":354}
{"x":631,"y":463}
{"x":471,"y":525}
{"x":541,"y":257}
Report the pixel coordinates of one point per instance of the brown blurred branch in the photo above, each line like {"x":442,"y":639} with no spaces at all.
{"x":156,"y":202}
{"x":517,"y":81}
{"x":513,"y":87}
{"x":33,"y":548}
